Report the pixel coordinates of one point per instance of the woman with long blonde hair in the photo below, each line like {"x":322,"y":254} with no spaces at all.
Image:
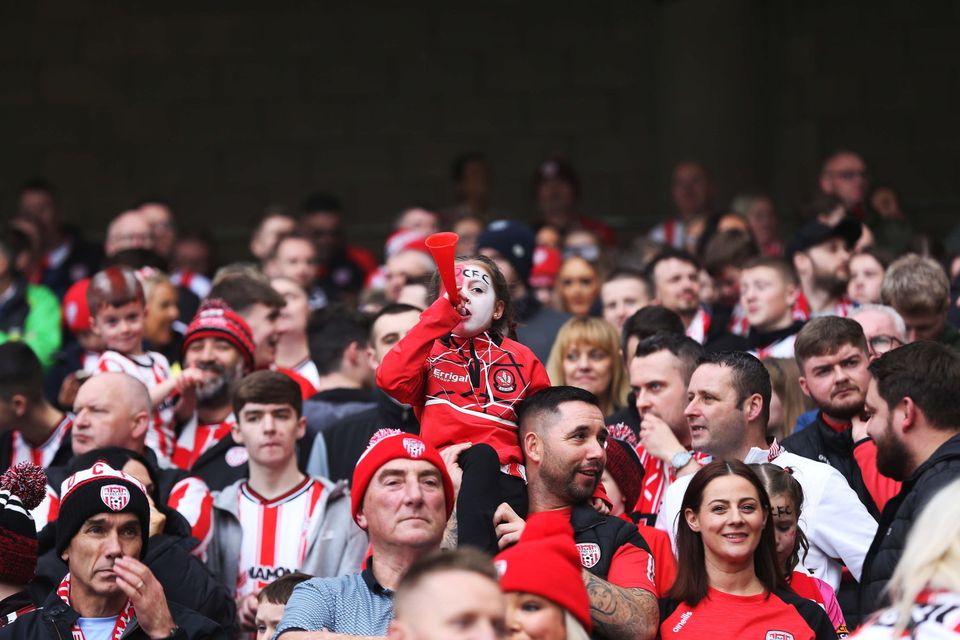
{"x":586,"y":354}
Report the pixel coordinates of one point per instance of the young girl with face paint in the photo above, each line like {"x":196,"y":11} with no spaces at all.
{"x":465,"y":379}
{"x":786,"y":499}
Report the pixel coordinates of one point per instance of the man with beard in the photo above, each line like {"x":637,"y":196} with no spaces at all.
{"x":219,"y":343}
{"x":564,"y":445}
{"x":914,"y":418}
{"x":832,"y":355}
{"x":821,"y":256}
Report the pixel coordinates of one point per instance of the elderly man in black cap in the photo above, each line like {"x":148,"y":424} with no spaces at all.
{"x":821,"y":255}
{"x":108,"y":593}
{"x":510,"y":244}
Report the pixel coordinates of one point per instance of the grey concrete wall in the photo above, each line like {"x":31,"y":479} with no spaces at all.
{"x":228,"y":107}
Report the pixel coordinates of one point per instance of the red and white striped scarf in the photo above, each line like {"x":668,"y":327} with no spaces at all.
{"x":126,"y":614}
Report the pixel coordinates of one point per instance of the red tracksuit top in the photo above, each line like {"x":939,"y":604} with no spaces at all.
{"x":462,"y":389}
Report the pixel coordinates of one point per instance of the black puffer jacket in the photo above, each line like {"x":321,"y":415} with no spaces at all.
{"x":55,"y":620}
{"x":898,"y":517}
{"x":185,"y":579}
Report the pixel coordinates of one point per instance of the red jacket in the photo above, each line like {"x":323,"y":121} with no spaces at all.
{"x":462,"y":389}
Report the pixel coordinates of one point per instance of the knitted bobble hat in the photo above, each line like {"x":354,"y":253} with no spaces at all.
{"x":22,"y":489}
{"x":393,"y":444}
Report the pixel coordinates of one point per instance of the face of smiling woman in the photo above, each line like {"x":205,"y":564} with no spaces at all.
{"x":730,"y":520}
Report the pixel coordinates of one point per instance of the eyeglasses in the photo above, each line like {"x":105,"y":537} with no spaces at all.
{"x":881,"y":344}
{"x":850,"y":174}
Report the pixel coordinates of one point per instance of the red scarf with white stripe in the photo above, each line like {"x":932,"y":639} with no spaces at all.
{"x":126,"y":614}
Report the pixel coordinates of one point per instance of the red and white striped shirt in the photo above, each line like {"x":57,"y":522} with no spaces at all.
{"x":192,"y":498}
{"x":42,"y":455}
{"x":274,"y":533}
{"x":802,"y":311}
{"x":151,"y":369}
{"x":196,"y":439}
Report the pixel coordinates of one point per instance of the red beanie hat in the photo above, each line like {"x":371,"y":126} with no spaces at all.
{"x":217,"y":320}
{"x":393,"y":444}
{"x":76,"y":311}
{"x":22,"y":488}
{"x":545,"y":562}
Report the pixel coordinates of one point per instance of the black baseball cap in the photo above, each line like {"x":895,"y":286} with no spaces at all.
{"x":814,"y":233}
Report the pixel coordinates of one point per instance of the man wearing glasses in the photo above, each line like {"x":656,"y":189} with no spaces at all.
{"x":883,"y":327}
{"x":844,"y":175}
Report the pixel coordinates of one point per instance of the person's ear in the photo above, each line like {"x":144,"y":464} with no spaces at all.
{"x":371,"y":356}
{"x":793,"y":293}
{"x":352,"y":353}
{"x":19,"y":404}
{"x":803,"y":386}
{"x":911,"y":414}
{"x":236,"y":432}
{"x":754,"y":407}
{"x":693,"y":520}
{"x":498,"y":309}
{"x":532,"y":446}
{"x":301,"y":426}
{"x":361,"y":519}
{"x":141,"y":421}
{"x":801,"y":262}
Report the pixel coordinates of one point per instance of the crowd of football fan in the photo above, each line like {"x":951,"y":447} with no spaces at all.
{"x":709,"y":430}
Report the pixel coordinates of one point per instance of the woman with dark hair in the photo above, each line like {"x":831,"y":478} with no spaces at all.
{"x":729,"y":584}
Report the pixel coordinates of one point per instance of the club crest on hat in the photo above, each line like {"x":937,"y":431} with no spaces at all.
{"x":504,"y":381}
{"x":115,"y":496}
{"x":414,"y":447}
{"x":589,"y":553}
{"x":778,"y":635}
{"x":500,"y":566}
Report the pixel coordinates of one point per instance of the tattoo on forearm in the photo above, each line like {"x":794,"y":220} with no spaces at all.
{"x":450,"y":534}
{"x":619,"y":612}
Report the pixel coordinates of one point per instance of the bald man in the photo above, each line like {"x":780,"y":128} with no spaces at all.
{"x":113,"y":410}
{"x":129,"y":230}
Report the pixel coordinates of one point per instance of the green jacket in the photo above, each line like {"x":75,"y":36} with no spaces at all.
{"x":33,"y":316}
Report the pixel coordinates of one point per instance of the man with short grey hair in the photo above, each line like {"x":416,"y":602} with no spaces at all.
{"x":883,"y":327}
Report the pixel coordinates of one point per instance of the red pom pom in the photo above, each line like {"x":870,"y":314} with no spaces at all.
{"x":27,"y":481}
{"x":621,"y":431}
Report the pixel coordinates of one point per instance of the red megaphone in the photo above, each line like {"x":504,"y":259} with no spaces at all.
{"x":443,"y":246}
